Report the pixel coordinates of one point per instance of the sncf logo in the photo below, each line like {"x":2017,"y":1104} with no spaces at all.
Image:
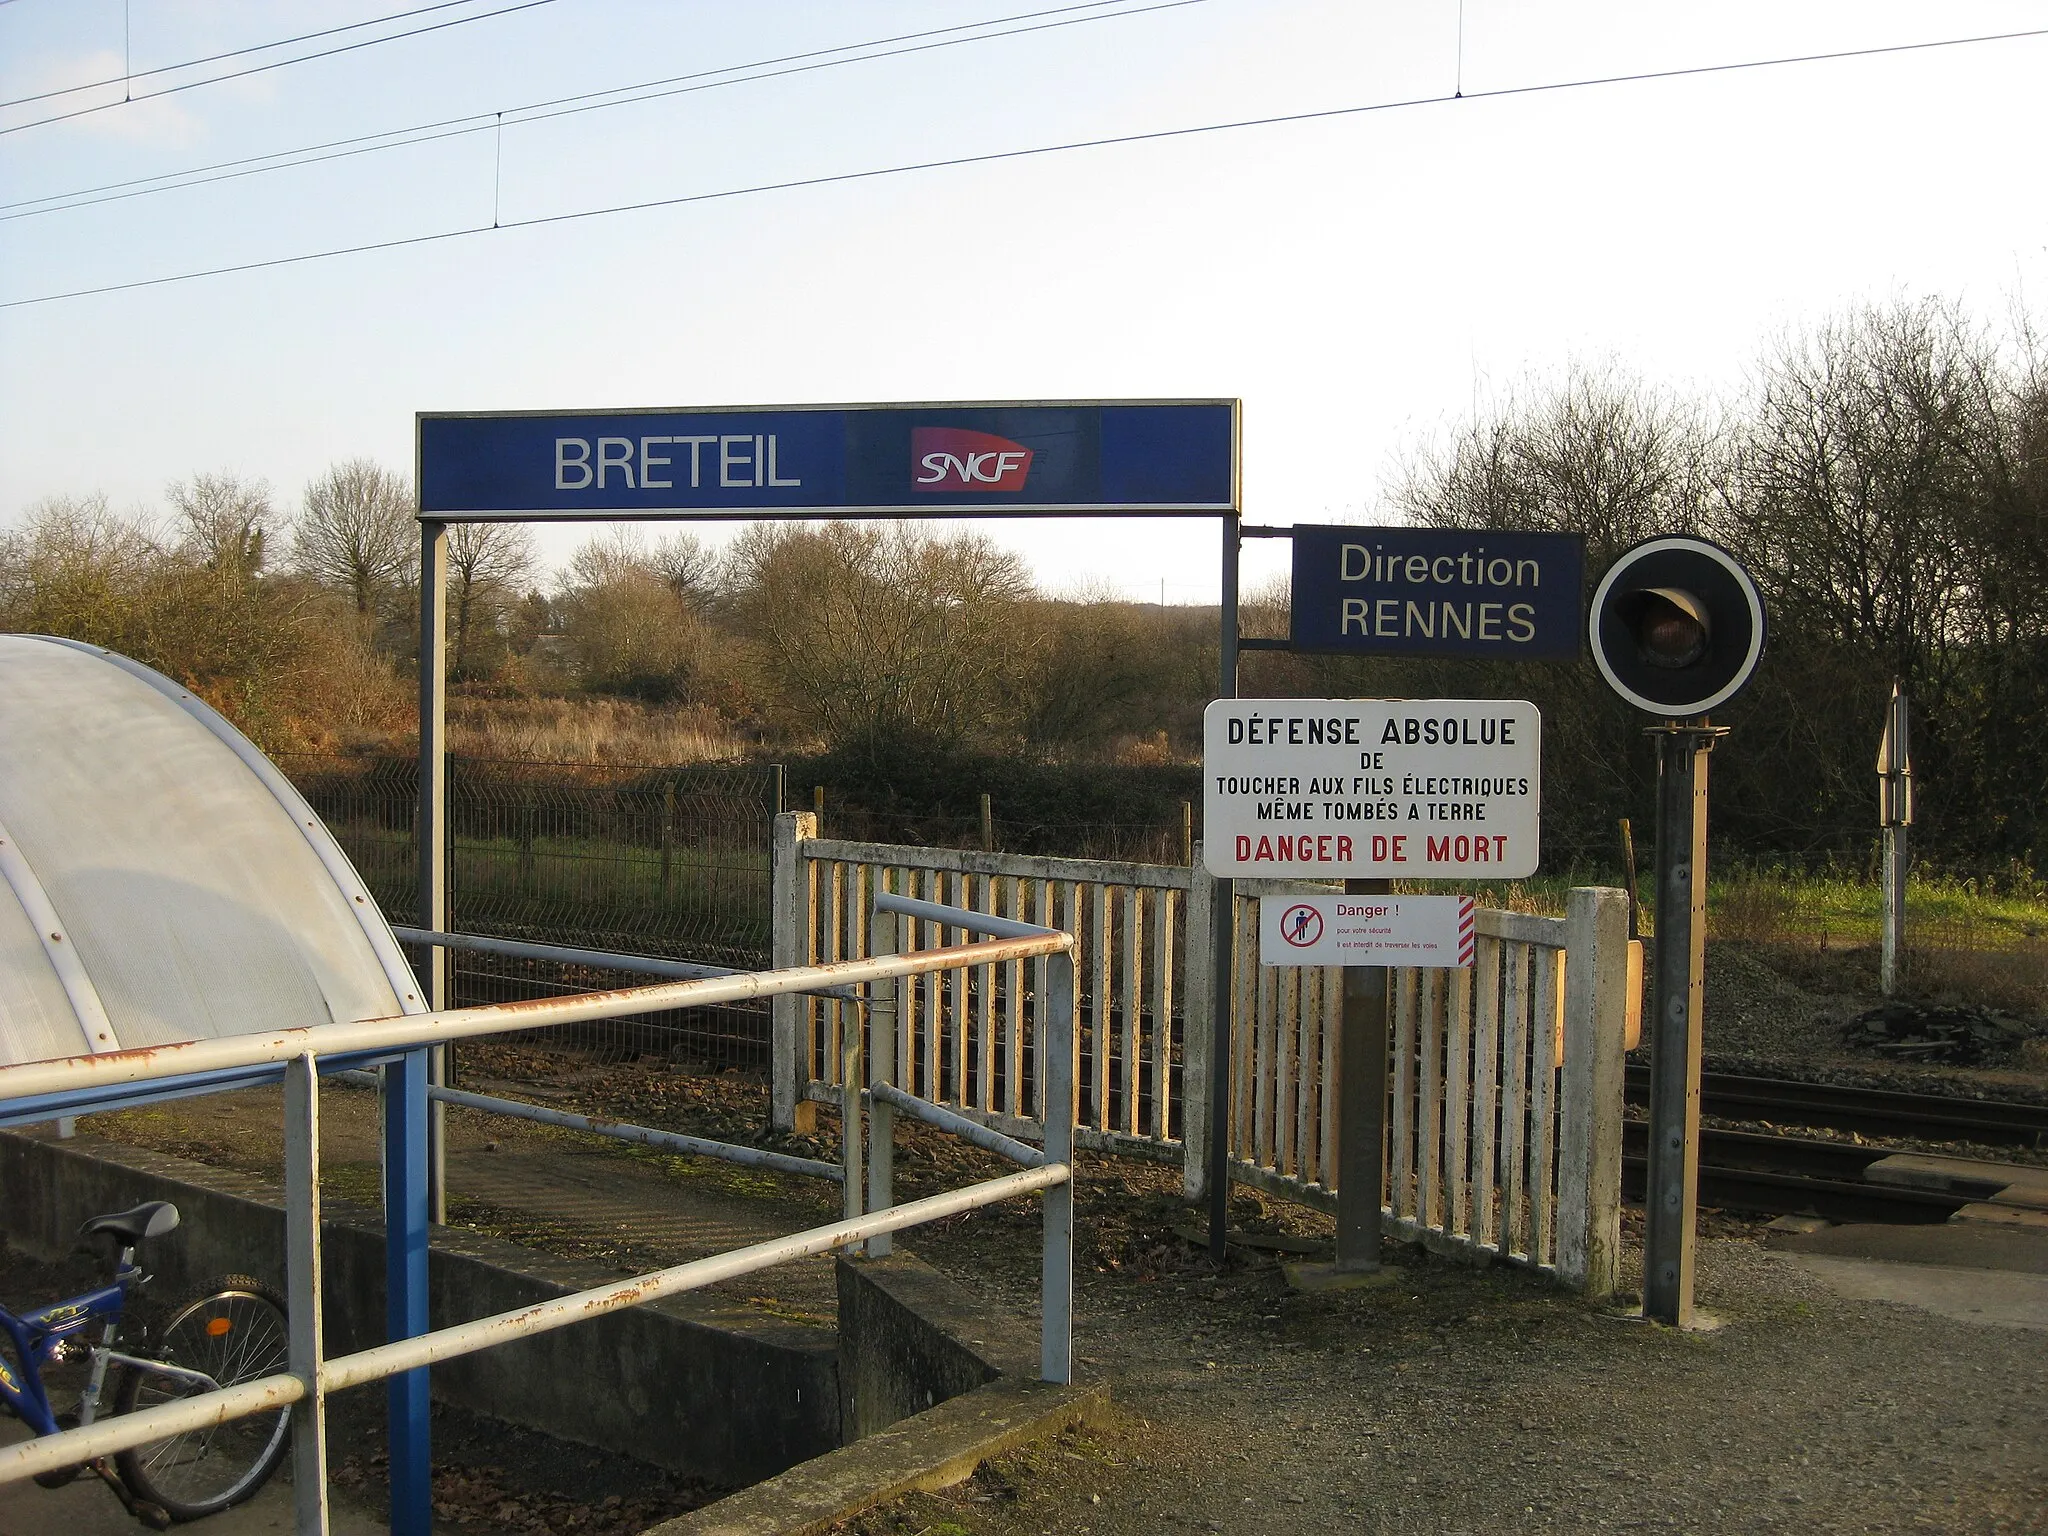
{"x":954,"y":459}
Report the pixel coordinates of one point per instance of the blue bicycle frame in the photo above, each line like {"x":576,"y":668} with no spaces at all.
{"x":38,"y":1335}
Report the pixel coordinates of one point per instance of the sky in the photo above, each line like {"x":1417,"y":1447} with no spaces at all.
{"x":1362,"y":282}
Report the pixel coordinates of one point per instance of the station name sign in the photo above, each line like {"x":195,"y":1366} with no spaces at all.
{"x":1430,"y":789}
{"x":1438,"y":592}
{"x":1166,"y":457}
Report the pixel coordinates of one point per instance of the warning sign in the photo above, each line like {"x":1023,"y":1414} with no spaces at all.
{"x":1430,"y":789}
{"x":1367,"y":930}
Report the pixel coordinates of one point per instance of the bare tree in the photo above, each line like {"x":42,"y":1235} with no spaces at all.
{"x":1598,"y":453}
{"x":688,"y":568}
{"x":885,"y":639}
{"x":624,"y":627}
{"x":489,"y":565}
{"x":223,"y":523}
{"x":357,"y":536}
{"x":76,"y":567}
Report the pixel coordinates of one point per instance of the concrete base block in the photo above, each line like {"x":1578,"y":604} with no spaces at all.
{"x":1315,"y":1279}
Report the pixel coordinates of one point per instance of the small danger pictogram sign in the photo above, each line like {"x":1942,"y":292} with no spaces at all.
{"x":1436,"y":931}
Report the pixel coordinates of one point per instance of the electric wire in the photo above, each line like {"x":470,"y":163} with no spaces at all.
{"x":560,"y":106}
{"x":258,"y":69}
{"x":232,"y":53}
{"x":992,"y":157}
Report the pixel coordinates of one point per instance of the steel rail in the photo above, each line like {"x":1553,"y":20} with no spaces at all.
{"x":597,"y":959}
{"x":1880,"y":1111}
{"x":967,"y":1130}
{"x":618,"y":1130}
{"x":958,"y":917}
{"x":119,"y":1068}
{"x":468,"y":1338}
{"x":126,"y":1431}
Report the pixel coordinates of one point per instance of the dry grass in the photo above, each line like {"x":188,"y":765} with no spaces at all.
{"x":563,"y":730}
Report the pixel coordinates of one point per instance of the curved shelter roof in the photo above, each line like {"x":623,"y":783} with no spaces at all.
{"x":160,"y":880}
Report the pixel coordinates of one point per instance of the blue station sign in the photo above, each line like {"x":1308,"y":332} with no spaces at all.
{"x":1019,"y":460}
{"x":1438,"y":592}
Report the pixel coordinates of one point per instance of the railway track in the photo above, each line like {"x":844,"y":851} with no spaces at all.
{"x":1788,"y":1176}
{"x":1868,"y":1111}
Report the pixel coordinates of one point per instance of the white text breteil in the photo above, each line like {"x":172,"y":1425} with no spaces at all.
{"x":1428,"y":789}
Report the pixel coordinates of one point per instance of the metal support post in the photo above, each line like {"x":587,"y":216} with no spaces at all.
{"x":1223,"y":942}
{"x":1362,"y":1105}
{"x":302,"y":1292}
{"x":1671,"y":1200}
{"x":1056,"y":1280}
{"x":432,"y":828}
{"x":405,"y":1287}
{"x":1894,"y":814}
{"x":882,"y":1006}
{"x":849,"y":1109}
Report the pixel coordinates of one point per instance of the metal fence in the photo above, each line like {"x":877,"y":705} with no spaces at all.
{"x":664,"y":861}
{"x":35,"y":1090}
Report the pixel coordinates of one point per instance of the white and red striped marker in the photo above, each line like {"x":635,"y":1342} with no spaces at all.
{"x":1435,"y":931}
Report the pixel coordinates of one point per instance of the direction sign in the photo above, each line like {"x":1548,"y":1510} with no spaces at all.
{"x":1430,"y":789}
{"x":1162,"y":456}
{"x":1437,"y":592}
{"x":1431,"y":931}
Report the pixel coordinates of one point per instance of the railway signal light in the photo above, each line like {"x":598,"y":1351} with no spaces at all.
{"x":1677,"y":626}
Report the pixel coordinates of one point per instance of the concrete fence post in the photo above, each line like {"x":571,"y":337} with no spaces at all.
{"x":1198,"y":1037}
{"x":792,"y":908}
{"x":1589,"y":1130}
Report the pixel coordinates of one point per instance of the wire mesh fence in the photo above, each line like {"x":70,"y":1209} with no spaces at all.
{"x":646,"y":860}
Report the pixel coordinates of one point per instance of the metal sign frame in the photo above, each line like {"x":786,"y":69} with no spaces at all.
{"x":879,"y":416}
{"x":415,"y":1185}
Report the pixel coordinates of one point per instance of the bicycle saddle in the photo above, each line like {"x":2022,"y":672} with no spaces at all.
{"x":153,"y":1218}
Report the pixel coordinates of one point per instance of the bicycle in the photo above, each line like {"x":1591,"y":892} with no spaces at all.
{"x":232,"y":1331}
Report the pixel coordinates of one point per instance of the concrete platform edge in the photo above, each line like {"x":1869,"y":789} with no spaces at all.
{"x":934,"y":1449}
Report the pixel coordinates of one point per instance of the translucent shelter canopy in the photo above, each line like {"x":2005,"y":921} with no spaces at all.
{"x":160,"y":880}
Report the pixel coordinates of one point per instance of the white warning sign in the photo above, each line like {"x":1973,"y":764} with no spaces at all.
{"x":1436,"y":931}
{"x":1430,"y":789}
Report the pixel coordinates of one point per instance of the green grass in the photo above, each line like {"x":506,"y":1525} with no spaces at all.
{"x":1770,"y":906}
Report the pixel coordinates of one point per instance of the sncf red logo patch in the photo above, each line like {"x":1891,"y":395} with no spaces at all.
{"x":954,"y":459}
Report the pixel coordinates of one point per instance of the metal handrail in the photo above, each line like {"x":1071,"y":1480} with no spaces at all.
{"x":114,"y":1076}
{"x":141,"y":1064}
{"x":601,"y":959}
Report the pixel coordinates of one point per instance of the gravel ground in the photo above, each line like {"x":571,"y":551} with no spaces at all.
{"x":1469,"y":1400}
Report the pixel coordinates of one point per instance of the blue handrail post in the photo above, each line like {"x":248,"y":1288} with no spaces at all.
{"x":405,"y":1287}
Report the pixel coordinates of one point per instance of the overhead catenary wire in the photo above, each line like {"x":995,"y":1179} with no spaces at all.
{"x":258,"y":69}
{"x":1156,"y":135}
{"x":131,"y":75}
{"x":569,"y":106}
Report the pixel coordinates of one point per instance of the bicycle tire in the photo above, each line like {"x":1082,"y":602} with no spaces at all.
{"x":233,"y":1330}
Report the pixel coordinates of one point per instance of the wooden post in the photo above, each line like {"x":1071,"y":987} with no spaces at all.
{"x":793,"y":901}
{"x":1362,"y":1105}
{"x":1187,"y":834}
{"x":818,"y":807}
{"x":1589,"y":1125}
{"x":988,"y":826}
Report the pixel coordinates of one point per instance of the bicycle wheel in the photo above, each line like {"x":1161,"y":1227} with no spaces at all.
{"x":234,"y":1332}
